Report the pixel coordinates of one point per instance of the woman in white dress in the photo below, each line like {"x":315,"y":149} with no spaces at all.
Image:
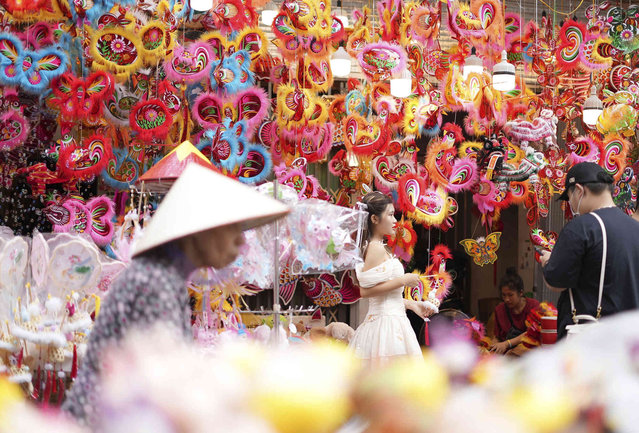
{"x":386,"y":332}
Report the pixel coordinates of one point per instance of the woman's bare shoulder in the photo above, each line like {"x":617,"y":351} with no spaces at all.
{"x":376,"y":254}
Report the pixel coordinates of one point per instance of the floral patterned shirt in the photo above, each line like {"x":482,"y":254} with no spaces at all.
{"x":151,"y":290}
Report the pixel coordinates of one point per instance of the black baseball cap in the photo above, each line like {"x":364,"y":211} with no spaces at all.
{"x":583,"y":173}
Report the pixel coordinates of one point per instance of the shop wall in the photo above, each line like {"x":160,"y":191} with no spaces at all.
{"x":483,"y":280}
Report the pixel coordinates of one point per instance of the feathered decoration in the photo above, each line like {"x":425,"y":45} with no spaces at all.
{"x":613,"y":157}
{"x":157,"y":41}
{"x":618,"y":119}
{"x":422,"y":115}
{"x":151,"y":119}
{"x":233,"y":15}
{"x":82,"y":98}
{"x":250,"y":106}
{"x":232,"y":74}
{"x":121,"y":171}
{"x":296,"y":106}
{"x":402,"y":244}
{"x":85,"y":161}
{"x":571,"y":38}
{"x":364,"y":138}
{"x":315,"y":74}
{"x":257,"y":166}
{"x":74,"y":215}
{"x":435,"y":282}
{"x":542,"y":241}
{"x":388,"y":170}
{"x":428,"y":206}
{"x":190,"y":63}
{"x":379,"y":61}
{"x":14,"y":129}
{"x":221,"y":147}
{"x":115,"y":49}
{"x":583,"y":149}
{"x":31,"y":70}
{"x":311,"y":142}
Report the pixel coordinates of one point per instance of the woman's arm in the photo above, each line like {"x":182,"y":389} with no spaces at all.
{"x":507,"y":345}
{"x":419,"y":308}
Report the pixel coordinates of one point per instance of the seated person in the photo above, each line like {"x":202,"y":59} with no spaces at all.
{"x":510,"y":315}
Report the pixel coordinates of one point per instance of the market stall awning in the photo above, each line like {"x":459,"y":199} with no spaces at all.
{"x":161,"y":176}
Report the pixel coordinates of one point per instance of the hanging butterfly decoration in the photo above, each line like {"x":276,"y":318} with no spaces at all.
{"x":250,"y":106}
{"x":326,"y":291}
{"x":483,"y":250}
{"x":32,"y":71}
{"x":74,"y":215}
{"x":80,"y":98}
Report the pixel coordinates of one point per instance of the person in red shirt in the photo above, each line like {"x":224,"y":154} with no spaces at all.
{"x":510,"y":315}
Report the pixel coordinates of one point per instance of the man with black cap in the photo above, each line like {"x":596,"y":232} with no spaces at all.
{"x":575,"y":262}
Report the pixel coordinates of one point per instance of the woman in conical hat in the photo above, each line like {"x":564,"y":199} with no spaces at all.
{"x":199,"y":223}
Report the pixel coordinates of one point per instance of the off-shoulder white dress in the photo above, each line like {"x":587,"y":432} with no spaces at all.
{"x":386,"y":331}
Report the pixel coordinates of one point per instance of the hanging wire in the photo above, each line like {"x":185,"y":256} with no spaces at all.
{"x":555,"y":11}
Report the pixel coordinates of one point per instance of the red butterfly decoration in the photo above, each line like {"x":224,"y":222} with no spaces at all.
{"x":82,"y":98}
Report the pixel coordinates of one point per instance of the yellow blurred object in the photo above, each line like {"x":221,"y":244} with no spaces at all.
{"x":618,"y":118}
{"x":305,"y":390}
{"x":424,"y":383}
{"x":543,"y":410}
{"x":10,"y":394}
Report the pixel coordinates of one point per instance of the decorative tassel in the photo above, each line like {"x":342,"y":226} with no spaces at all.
{"x":61,"y":391}
{"x":20,"y":356}
{"x":36,"y":385}
{"x":47,"y":388}
{"x":426,"y":336}
{"x":74,"y":364}
{"x":54,"y":384}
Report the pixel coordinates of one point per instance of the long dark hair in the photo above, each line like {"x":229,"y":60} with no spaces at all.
{"x":376,"y":203}
{"x":512,"y":280}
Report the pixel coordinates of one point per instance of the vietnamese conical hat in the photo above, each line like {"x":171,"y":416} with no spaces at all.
{"x":202,"y":199}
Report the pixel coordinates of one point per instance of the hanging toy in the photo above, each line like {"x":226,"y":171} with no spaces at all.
{"x":483,"y":250}
{"x":402,"y":244}
{"x":542,"y":241}
{"x":435,"y":282}
{"x":31,"y":70}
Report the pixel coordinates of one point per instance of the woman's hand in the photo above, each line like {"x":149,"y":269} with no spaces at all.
{"x":410,"y":280}
{"x":421,"y":309}
{"x":500,"y":348}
